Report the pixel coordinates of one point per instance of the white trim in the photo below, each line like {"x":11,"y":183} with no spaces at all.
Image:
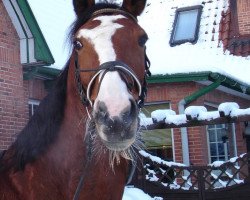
{"x":172,"y":136}
{"x":23,"y":31}
{"x":234,"y":139}
{"x":34,"y":102}
{"x":31,"y":50}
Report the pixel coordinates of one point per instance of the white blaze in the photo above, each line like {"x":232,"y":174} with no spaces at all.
{"x":101,"y":37}
{"x":113,"y":91}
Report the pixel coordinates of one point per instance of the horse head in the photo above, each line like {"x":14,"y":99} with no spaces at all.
{"x":111,"y":66}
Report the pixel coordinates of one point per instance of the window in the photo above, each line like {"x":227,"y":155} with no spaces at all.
{"x":186,"y":25}
{"x":158,"y":141}
{"x":33,"y":105}
{"x":218,"y":142}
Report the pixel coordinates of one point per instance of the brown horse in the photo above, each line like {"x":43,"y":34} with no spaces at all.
{"x":83,"y":133}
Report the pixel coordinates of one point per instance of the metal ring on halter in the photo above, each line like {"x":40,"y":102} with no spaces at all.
{"x":112,"y":66}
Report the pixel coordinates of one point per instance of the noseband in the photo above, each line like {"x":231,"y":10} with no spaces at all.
{"x":110,"y":66}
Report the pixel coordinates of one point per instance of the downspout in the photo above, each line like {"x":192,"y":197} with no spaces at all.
{"x":181,"y":107}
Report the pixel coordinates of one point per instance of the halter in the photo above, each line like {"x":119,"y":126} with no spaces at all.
{"x":110,"y":66}
{"x":118,"y":66}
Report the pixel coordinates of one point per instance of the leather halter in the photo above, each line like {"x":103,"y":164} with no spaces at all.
{"x":85,"y":94}
{"x":112,"y":66}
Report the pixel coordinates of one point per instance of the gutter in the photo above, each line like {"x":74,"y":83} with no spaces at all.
{"x":43,"y":73}
{"x":181,"y":107}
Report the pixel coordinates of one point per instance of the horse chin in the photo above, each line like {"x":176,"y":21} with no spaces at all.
{"x":118,"y":146}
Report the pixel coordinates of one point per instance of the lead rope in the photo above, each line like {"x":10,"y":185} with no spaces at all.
{"x":85,"y":170}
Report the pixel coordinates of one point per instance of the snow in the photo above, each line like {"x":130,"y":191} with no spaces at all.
{"x":228,"y":107}
{"x":205,"y":55}
{"x":176,"y":119}
{"x":145,"y":121}
{"x":55,"y":17}
{"x":217,"y":173}
{"x":134,"y":193}
{"x":160,"y":115}
{"x":239,"y":112}
{"x":131,"y":193}
{"x":159,"y":160}
{"x":195,"y":111}
{"x":209,"y":115}
{"x":232,"y":160}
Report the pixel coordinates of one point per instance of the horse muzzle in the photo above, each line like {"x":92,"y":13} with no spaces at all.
{"x":116,"y":132}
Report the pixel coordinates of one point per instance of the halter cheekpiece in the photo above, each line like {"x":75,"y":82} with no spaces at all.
{"x":118,"y":66}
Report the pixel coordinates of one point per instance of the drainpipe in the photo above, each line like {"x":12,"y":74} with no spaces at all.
{"x":181,"y":107}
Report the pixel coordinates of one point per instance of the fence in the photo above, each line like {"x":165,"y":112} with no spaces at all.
{"x":229,"y":180}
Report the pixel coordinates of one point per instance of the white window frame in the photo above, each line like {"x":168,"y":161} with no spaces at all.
{"x":33,"y":103}
{"x":225,"y":145}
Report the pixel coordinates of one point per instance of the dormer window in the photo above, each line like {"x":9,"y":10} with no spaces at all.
{"x":186,"y":25}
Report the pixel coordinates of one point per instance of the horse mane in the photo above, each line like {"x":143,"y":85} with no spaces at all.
{"x":41,"y":130}
{"x":43,"y":127}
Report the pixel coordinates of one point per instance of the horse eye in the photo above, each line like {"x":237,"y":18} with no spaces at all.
{"x":142,"y":40}
{"x":77,"y":44}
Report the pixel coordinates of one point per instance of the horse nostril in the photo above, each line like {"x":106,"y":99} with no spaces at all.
{"x":130,"y":114}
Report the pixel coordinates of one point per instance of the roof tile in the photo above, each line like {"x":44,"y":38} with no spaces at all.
{"x":236,"y":44}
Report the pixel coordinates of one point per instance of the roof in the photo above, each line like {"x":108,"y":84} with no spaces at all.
{"x":34,"y":49}
{"x":232,"y":40}
{"x":207,"y":56}
{"x":205,"y":60}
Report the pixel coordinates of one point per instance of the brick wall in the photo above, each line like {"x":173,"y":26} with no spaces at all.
{"x":197,"y":136}
{"x":36,"y":89}
{"x":243,"y":9}
{"x":13,"y":96}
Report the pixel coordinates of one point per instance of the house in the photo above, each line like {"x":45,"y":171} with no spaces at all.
{"x":24,"y":77}
{"x":200,"y":55}
{"x":205,"y":66}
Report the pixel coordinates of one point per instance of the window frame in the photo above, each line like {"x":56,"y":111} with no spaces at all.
{"x":193,"y":40}
{"x":32,"y":102}
{"x":161,"y":147}
{"x":215,"y":128}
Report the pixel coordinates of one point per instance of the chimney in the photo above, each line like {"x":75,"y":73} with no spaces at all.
{"x":243,"y":10}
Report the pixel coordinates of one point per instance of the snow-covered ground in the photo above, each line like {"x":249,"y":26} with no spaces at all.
{"x":131,"y":193}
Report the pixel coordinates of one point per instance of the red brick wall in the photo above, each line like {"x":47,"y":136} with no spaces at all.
{"x":243,"y":9}
{"x":13,"y":96}
{"x":197,"y":136}
{"x":36,"y":89}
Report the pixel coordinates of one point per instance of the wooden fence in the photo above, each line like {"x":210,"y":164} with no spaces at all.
{"x":229,"y":181}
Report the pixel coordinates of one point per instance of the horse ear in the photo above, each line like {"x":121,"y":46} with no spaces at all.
{"x":135,"y":7}
{"x":81,"y":5}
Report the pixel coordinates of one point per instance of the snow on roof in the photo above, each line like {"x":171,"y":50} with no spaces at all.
{"x":205,"y":55}
{"x":55,"y":17}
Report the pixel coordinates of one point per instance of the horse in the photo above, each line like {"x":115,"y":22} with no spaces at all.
{"x":80,"y":142}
